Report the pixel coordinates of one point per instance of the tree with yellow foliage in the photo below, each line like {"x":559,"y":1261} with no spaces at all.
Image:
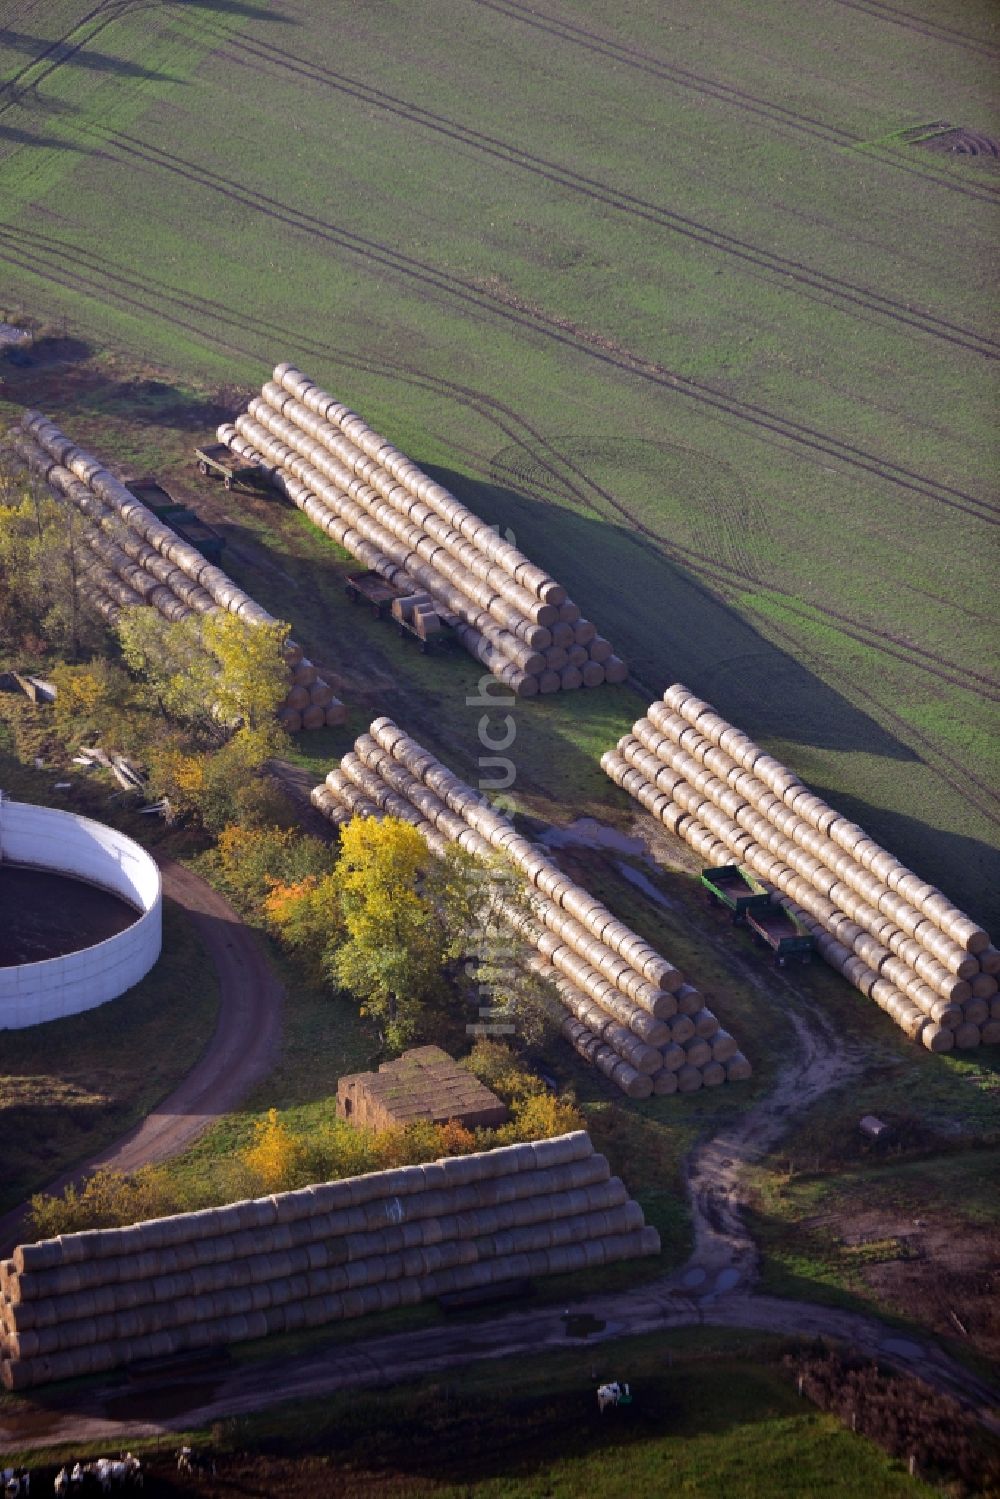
{"x":396,"y":942}
{"x":277,"y":1156}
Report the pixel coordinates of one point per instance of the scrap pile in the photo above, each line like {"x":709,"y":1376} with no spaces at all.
{"x":893,"y":936}
{"x":101,"y":1299}
{"x":137,"y":559}
{"x":629,"y":1011}
{"x":376,"y":503}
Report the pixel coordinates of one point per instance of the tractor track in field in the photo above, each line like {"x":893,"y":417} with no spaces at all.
{"x":938,"y":33}
{"x":624,"y":54}
{"x":789,"y":270}
{"x":724,"y":576}
{"x":87,"y":273}
{"x":491,"y":303}
{"x":956,"y":775}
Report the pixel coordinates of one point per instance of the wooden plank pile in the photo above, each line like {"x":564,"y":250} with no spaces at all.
{"x":136,"y":559}
{"x":630,"y":1012}
{"x":398,"y":522}
{"x":98,"y":1300}
{"x":895,"y":937}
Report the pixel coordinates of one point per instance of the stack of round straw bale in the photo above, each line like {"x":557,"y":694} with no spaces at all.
{"x":629,"y":1011}
{"x":381,"y":507}
{"x":896,"y":938}
{"x":97,"y":1300}
{"x":134,"y":558}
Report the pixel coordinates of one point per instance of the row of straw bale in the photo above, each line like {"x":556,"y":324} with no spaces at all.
{"x":85,"y":1302}
{"x":139,"y":560}
{"x":929,"y":966}
{"x":381,"y":507}
{"x":630,"y":1011}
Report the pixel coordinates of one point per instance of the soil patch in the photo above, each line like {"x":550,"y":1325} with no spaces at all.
{"x":47,"y":915}
{"x":961,"y":142}
{"x":942,"y":1275}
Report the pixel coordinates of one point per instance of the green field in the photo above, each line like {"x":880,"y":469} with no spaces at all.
{"x":670,"y":293}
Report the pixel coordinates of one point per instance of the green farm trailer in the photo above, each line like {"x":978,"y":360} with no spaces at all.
{"x":732,"y":887}
{"x":779,"y":930}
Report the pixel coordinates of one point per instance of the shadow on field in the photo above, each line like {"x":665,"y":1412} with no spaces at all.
{"x":158,"y":403}
{"x":80,"y":56}
{"x":45,"y":351}
{"x":238,"y":8}
{"x":30,"y":138}
{"x":670,"y":627}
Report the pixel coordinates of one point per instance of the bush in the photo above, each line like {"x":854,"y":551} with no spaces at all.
{"x":905,"y":1416}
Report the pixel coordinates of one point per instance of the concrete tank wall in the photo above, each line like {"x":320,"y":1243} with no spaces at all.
{"x":43,"y":838}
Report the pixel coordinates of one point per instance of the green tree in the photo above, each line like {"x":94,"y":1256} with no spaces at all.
{"x":42,"y":560}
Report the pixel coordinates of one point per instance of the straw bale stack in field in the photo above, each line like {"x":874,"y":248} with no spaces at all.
{"x":630,"y":1012}
{"x":140,"y":560}
{"x":396,"y":520}
{"x":897,"y":939}
{"x":104,"y":1298}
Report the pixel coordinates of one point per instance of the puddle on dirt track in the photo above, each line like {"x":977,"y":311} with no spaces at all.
{"x":583,"y":1325}
{"x":160,"y":1402}
{"x":587,"y":832}
{"x":639,"y":880}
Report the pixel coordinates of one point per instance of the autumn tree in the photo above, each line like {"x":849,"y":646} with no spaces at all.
{"x":214,"y":672}
{"x":395,"y":939}
{"x":277,"y":1155}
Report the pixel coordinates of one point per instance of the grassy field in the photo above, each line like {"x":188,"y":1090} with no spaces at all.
{"x":705,"y":1421}
{"x":673,"y":298}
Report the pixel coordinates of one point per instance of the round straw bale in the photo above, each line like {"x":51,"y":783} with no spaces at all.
{"x":984,"y":986}
{"x":689,"y":1079}
{"x":570,"y":678}
{"x":600,"y":649}
{"x":976,"y":1010}
{"x":698,"y":1051}
{"x":967,"y":1035}
{"x":712,"y":1074}
{"x":664,"y":1083}
{"x":737,"y":1068}
{"x":584,"y":632}
{"x":989,"y":1032}
{"x":615,"y":670}
{"x":290,"y":720}
{"x":313,"y":717}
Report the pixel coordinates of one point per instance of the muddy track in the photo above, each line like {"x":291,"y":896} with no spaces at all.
{"x":515,"y":156}
{"x":724,"y":1254}
{"x":712,"y":1289}
{"x":240,"y":1054}
{"x":624,"y":54}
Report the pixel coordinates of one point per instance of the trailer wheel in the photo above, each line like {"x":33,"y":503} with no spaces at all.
{"x":227,"y":482}
{"x":202,"y":466}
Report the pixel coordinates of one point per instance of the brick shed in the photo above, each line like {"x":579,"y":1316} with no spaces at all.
{"x":425,"y":1083}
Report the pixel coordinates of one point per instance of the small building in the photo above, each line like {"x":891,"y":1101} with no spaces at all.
{"x":425,"y":1083}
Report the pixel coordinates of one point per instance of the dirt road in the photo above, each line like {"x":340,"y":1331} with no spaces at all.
{"x":241,"y":1052}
